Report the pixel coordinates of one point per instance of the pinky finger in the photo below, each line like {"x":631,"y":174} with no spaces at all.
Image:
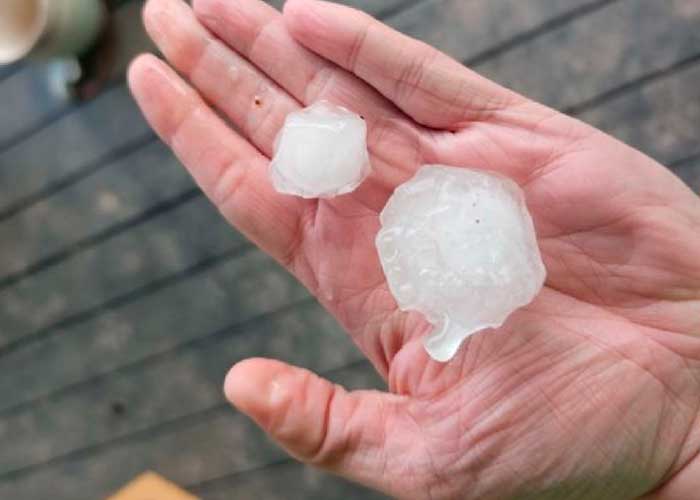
{"x":230,"y":171}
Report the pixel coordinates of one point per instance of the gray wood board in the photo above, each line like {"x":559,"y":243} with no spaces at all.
{"x":162,"y":247}
{"x":285,"y":480}
{"x":183,"y":382}
{"x":234,"y":291}
{"x":468,"y":29}
{"x":188,"y":451}
{"x":75,"y":143}
{"x":661,"y":118}
{"x":98,"y":204}
{"x":599,"y":52}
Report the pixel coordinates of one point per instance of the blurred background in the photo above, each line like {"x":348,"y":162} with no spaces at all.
{"x":125,"y":298}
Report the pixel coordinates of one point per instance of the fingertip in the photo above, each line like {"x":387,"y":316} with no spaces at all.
{"x":152,"y":9}
{"x":164,"y":98}
{"x":138,"y":70}
{"x":255,"y":386}
{"x":287,"y":402}
{"x":300,"y":15}
{"x":146,"y":74}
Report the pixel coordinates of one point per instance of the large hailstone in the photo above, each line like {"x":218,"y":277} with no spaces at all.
{"x":459,"y":246}
{"x":320,"y":152}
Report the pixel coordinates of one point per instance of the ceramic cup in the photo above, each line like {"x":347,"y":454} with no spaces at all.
{"x":48,"y":28}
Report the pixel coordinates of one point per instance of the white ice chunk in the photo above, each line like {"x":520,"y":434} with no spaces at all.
{"x":459,"y":246}
{"x":321,"y":152}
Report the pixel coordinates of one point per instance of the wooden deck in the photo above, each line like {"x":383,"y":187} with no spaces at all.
{"x":124,"y":297}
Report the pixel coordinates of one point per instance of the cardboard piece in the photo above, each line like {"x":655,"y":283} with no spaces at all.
{"x":151,"y":486}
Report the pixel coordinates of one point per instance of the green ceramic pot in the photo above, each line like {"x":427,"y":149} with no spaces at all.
{"x":48,"y":28}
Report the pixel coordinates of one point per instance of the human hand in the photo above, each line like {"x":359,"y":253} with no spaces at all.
{"x":592,"y":391}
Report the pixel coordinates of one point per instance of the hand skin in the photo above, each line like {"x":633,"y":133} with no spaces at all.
{"x":591,"y":392}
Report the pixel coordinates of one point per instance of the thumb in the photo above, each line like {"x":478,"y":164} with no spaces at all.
{"x":316,"y":421}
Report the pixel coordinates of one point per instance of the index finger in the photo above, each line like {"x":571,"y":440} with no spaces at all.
{"x":230,"y":170}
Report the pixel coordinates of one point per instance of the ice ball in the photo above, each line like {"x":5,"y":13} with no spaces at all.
{"x":321,"y":152}
{"x":459,"y":246}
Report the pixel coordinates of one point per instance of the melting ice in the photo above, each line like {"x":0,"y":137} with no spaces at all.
{"x":459,"y":246}
{"x":321,"y":152}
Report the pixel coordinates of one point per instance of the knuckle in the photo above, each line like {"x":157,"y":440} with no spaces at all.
{"x":409,"y":78}
{"x":329,"y":445}
{"x":320,"y":84}
{"x":228,"y":183}
{"x":357,"y":46}
{"x":176,"y":126}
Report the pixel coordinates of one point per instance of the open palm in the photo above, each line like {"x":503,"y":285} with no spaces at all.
{"x":592,"y":391}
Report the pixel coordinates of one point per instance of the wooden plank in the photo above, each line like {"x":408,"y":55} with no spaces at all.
{"x":468,"y":29}
{"x":660,"y":118}
{"x":68,"y":146}
{"x":231,"y":292}
{"x":183,"y":382}
{"x":189,"y":451}
{"x":30,"y":99}
{"x":163,"y":246}
{"x":274,"y":483}
{"x":578,"y":61}
{"x":120,"y":191}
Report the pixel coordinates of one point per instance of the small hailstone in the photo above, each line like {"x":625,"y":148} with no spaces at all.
{"x":459,"y":246}
{"x":321,"y":152}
